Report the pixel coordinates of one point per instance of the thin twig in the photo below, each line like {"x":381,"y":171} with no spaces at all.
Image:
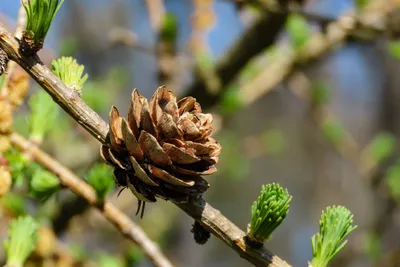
{"x":347,"y":146}
{"x":203,"y":20}
{"x":230,"y":65}
{"x":292,"y":8}
{"x":315,"y":47}
{"x":295,"y":8}
{"x":284,"y":65}
{"x":156,"y":11}
{"x":260,"y":35}
{"x":79,"y":187}
{"x":209,"y":217}
{"x":165,"y":46}
{"x":123,"y":36}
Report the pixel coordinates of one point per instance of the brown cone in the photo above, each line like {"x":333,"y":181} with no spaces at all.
{"x":163,"y":148}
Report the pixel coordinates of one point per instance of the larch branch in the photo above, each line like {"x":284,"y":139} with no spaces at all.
{"x":209,"y":217}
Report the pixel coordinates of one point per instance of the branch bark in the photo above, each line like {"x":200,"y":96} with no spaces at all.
{"x":68,"y":179}
{"x":61,"y":94}
{"x":229,"y":233}
{"x":12,"y":65}
{"x":209,"y":217}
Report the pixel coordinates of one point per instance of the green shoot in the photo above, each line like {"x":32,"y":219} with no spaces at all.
{"x":335,"y":225}
{"x":21,"y":240}
{"x":70,"y":73}
{"x":268,"y":211}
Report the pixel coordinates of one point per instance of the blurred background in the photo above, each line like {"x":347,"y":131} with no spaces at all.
{"x":328,"y":133}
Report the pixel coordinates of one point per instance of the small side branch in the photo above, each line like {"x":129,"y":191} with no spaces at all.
{"x":262,"y":34}
{"x":68,"y":179}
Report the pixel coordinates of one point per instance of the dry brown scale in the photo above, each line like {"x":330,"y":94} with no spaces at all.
{"x":163,"y":148}
{"x":200,"y":234}
{"x":3,"y":61}
{"x":27,"y":45}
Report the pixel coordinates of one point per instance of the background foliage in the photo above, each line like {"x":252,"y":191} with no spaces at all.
{"x":276,"y":139}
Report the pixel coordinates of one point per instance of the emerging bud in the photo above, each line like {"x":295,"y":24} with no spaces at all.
{"x":335,"y":225}
{"x":70,"y":73}
{"x":267,"y":213}
{"x":21,"y":240}
{"x":43,"y":184}
{"x":40,"y":15}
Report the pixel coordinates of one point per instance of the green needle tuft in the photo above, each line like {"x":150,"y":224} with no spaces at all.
{"x":40,"y":14}
{"x":21,"y":240}
{"x":43,"y":184}
{"x":70,"y":73}
{"x":335,"y":225}
{"x":268,"y":212}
